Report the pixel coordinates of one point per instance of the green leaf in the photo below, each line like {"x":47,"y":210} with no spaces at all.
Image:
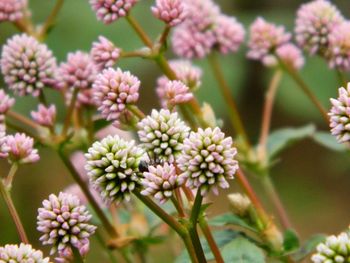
{"x":243,"y":251}
{"x":290,"y":240}
{"x":221,"y":237}
{"x":327,"y":140}
{"x":230,"y":219}
{"x":309,"y":246}
{"x":282,"y":138}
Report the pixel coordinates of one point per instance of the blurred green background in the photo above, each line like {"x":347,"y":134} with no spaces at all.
{"x":313,"y":182}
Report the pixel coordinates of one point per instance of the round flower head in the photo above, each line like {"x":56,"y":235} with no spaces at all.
{"x":173,"y":93}
{"x":4,"y":149}
{"x":64,"y":224}
{"x":314,"y":22}
{"x":45,"y":116}
{"x":108,"y":11}
{"x":334,"y":249}
{"x":207,"y":160}
{"x":265,"y":38}
{"x":340,"y":115}
{"x":112,"y":166}
{"x":171,"y":12}
{"x":229,"y":34}
{"x":194,"y":38}
{"x":84,"y":98}
{"x":162,"y":134}
{"x":12,"y":10}
{"x":24,"y":253}
{"x":338,"y":53}
{"x":79,"y":71}
{"x":185,"y":72}
{"x":6,"y":102}
{"x":21,"y":149}
{"x":114,"y":90}
{"x":160,"y":181}
{"x":290,"y":55}
{"x":27,"y":65}
{"x":104,"y":53}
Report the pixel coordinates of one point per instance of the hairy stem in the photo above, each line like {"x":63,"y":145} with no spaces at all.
{"x":267,"y":112}
{"x":210,"y":239}
{"x":276,"y":201}
{"x":226,"y":93}
{"x":101,"y":215}
{"x":51,"y":19}
{"x":5,"y":192}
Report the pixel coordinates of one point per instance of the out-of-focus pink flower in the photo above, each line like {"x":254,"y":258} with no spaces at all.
{"x":104,"y":53}
{"x":174,"y":93}
{"x":45,"y":116}
{"x":229,"y":34}
{"x":21,"y":149}
{"x":264,"y":39}
{"x":74,"y":189}
{"x":12,"y":10}
{"x":27,"y":65}
{"x":79,"y":71}
{"x":338,"y":53}
{"x":114,"y":90}
{"x":314,"y":22}
{"x":172,"y":12}
{"x":108,"y":11}
{"x":6,"y":102}
{"x":290,"y":55}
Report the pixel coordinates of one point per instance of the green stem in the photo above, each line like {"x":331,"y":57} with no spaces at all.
{"x":210,"y":239}
{"x":77,"y":258}
{"x":103,"y":245}
{"x":226,"y":93}
{"x":104,"y":220}
{"x":276,"y":201}
{"x":138,"y":29}
{"x":51,"y":19}
{"x":178,"y":207}
{"x":13,"y":212}
{"x":305,"y":88}
{"x":136,"y":111}
{"x":70,"y":111}
{"x":24,"y":120}
{"x":9,"y":179}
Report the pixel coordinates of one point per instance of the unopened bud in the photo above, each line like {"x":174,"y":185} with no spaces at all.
{"x":239,"y":203}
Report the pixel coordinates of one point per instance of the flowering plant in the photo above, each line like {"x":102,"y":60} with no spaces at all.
{"x":141,"y":176}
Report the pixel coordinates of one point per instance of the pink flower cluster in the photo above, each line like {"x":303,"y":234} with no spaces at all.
{"x":268,"y":43}
{"x":12,"y":10}
{"x":104,"y":53}
{"x":174,"y":93}
{"x":45,"y":116}
{"x":6,"y":102}
{"x":204,"y":29}
{"x":172,"y":12}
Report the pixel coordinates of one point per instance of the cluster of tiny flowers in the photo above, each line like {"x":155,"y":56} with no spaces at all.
{"x":229,"y":34}
{"x":185,"y":71}
{"x":108,"y":11}
{"x":314,"y":22}
{"x":45,"y":116}
{"x":160,"y":181}
{"x":338,"y":53}
{"x":20,"y":149}
{"x":334,"y":249}
{"x":340,"y":115}
{"x":104,"y":53}
{"x":27,"y":65}
{"x":172,"y":12}
{"x":173,"y":93}
{"x":112,"y":166}
{"x":6,"y":102}
{"x":291,"y":55}
{"x":162,"y":134}
{"x":4,"y":149}
{"x":24,"y":253}
{"x":207,"y":160}
{"x":12,"y":10}
{"x":79,"y":71}
{"x":113,"y":91}
{"x":64,"y":224}
{"x":265,"y":38}
{"x":206,"y":28}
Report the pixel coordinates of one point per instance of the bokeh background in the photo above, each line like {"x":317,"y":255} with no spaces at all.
{"x":313,"y":182}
